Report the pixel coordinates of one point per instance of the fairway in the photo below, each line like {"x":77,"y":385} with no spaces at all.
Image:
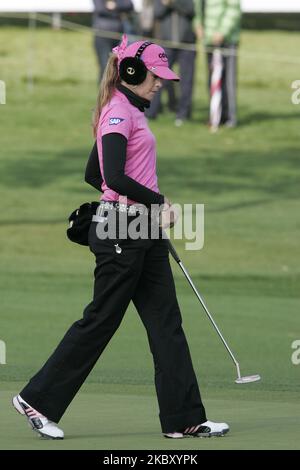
{"x":248,"y":270}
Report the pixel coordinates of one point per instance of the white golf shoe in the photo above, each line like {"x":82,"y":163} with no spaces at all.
{"x":37,"y":421}
{"x":207,"y":429}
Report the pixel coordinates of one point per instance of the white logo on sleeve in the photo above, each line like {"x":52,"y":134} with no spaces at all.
{"x":115,"y":120}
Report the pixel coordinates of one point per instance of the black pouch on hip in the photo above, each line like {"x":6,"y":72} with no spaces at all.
{"x":79,"y":223}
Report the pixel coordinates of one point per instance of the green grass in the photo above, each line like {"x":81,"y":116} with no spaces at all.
{"x":254,"y":423}
{"x":248,"y":270}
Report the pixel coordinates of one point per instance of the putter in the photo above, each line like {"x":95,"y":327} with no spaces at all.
{"x":239,"y":380}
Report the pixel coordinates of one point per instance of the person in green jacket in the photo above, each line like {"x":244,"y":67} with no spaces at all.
{"x":218,"y":24}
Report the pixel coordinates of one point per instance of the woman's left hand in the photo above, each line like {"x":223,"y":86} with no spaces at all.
{"x":168,"y":217}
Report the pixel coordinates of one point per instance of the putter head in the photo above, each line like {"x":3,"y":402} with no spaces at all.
{"x":247,"y":379}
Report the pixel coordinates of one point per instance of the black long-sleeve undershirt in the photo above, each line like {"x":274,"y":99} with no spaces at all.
{"x":92,"y":172}
{"x":114,"y":148}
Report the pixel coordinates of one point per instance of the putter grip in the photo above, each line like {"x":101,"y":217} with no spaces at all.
{"x":173,"y":251}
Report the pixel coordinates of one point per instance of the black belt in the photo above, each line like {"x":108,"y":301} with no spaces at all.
{"x":132,"y":210}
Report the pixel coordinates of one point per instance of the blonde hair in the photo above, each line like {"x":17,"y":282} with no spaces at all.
{"x":108,"y":84}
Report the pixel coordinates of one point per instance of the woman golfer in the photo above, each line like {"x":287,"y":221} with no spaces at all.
{"x":128,"y":268}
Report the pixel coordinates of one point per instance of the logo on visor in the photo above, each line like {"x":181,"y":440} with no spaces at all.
{"x":114,"y":121}
{"x":163,"y":57}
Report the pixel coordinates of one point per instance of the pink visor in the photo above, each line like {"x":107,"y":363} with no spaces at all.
{"x":154,"y":57}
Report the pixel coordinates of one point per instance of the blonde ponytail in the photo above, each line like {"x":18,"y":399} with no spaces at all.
{"x":108,"y":84}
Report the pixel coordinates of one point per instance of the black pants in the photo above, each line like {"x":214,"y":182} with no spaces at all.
{"x":229,"y":84}
{"x":186,"y":60}
{"x":142,"y":273}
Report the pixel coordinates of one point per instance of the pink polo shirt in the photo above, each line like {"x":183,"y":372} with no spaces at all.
{"x":120,"y":116}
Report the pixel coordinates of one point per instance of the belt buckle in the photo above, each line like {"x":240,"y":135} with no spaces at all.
{"x":122,"y":207}
{"x":99,"y":217}
{"x":132,"y":210}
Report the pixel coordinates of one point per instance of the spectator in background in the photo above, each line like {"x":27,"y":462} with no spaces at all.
{"x":175,"y":19}
{"x":218,"y":24}
{"x":109,"y":15}
{"x":146,"y":18}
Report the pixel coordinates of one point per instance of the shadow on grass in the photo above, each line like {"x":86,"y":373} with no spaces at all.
{"x":267,"y":175}
{"x":43,"y":168}
{"x":113,"y":435}
{"x":256,"y":118}
{"x":27,"y":221}
{"x":264,"y":174}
